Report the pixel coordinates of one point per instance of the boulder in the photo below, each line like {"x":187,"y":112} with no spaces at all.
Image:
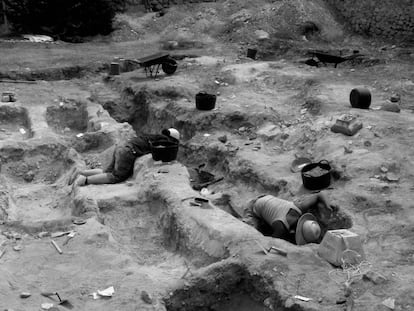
{"x":261,"y":35}
{"x":391,"y":107}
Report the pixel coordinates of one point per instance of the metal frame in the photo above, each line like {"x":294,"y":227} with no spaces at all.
{"x":153,"y":70}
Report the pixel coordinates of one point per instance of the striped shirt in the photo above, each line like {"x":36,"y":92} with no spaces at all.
{"x":271,"y":209}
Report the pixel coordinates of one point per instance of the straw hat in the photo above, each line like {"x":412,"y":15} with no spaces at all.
{"x":307,"y":229}
{"x":172,"y":132}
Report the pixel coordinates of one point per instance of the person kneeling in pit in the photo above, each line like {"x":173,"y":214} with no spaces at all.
{"x":121,"y":166}
{"x":288,"y":220}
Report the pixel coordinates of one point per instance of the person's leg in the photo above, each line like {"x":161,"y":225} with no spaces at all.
{"x":124,"y":163}
{"x":91,"y":172}
{"x":98,"y":179}
{"x":75,"y":173}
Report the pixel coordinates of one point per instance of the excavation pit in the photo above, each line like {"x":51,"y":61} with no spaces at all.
{"x":224,"y":286}
{"x":14,"y":123}
{"x":91,"y":142}
{"x":68,"y":117}
{"x":34,"y":162}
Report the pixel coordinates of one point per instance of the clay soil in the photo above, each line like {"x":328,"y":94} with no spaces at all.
{"x":268,"y":112}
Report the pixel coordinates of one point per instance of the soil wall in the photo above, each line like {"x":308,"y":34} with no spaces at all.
{"x":166,"y":2}
{"x":385,"y":18}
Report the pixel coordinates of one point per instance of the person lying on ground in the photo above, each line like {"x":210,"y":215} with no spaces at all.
{"x":286,"y":218}
{"x":122,"y":163}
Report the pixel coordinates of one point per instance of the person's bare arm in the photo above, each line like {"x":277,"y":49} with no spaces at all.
{"x":322,"y":198}
{"x":306,"y":203}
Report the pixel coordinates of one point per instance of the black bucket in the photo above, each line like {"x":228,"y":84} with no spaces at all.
{"x":115,"y":69}
{"x":169,"y":66}
{"x":320,"y":181}
{"x":164,"y":151}
{"x":205,"y":101}
{"x":251,"y":53}
{"x":360,"y":98}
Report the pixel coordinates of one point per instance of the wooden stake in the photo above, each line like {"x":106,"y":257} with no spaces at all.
{"x":56,"y":246}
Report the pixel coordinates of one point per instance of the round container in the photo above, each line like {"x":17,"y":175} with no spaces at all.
{"x":205,"y":101}
{"x":299,"y":163}
{"x":319,"y":181}
{"x":251,"y":53}
{"x":164,"y":151}
{"x":114,"y":69}
{"x":169,"y":66}
{"x":360,"y":98}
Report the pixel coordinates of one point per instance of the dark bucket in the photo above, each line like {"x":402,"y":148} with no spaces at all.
{"x":319,"y":181}
{"x":164,"y":151}
{"x":205,"y":101}
{"x":169,"y":66}
{"x":251,"y":53}
{"x":114,"y":69}
{"x":360,"y":98}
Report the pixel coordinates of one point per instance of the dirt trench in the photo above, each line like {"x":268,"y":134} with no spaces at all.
{"x":228,"y":138}
{"x":147,"y":240}
{"x":123,"y":240}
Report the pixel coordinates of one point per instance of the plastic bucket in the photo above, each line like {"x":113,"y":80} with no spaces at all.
{"x":360,"y":98}
{"x":114,"y":69}
{"x":169,"y":66}
{"x":164,"y":151}
{"x":205,"y":101}
{"x":251,"y":53}
{"x":318,"y":181}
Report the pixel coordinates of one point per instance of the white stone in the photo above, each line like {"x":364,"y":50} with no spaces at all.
{"x":261,"y":35}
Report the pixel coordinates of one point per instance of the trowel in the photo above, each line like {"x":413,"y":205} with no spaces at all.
{"x":62,"y":302}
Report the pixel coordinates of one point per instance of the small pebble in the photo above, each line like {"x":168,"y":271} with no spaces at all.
{"x":17,"y":236}
{"x":46,"y":305}
{"x":340,"y":301}
{"x":222,"y":139}
{"x":146,"y":297}
{"x":392,"y":177}
{"x":43,"y":234}
{"x":25,"y":295}
{"x":17,"y":248}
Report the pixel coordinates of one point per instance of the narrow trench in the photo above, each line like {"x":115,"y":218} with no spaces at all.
{"x":54,"y":74}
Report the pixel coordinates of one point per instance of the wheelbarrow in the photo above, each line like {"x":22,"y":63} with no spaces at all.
{"x":331,"y":58}
{"x":153,"y":63}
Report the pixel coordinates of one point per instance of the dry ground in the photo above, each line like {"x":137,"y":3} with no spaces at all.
{"x":261,"y":111}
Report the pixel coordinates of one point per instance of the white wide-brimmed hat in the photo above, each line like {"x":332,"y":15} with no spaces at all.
{"x":172,"y":132}
{"x":307,"y":229}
